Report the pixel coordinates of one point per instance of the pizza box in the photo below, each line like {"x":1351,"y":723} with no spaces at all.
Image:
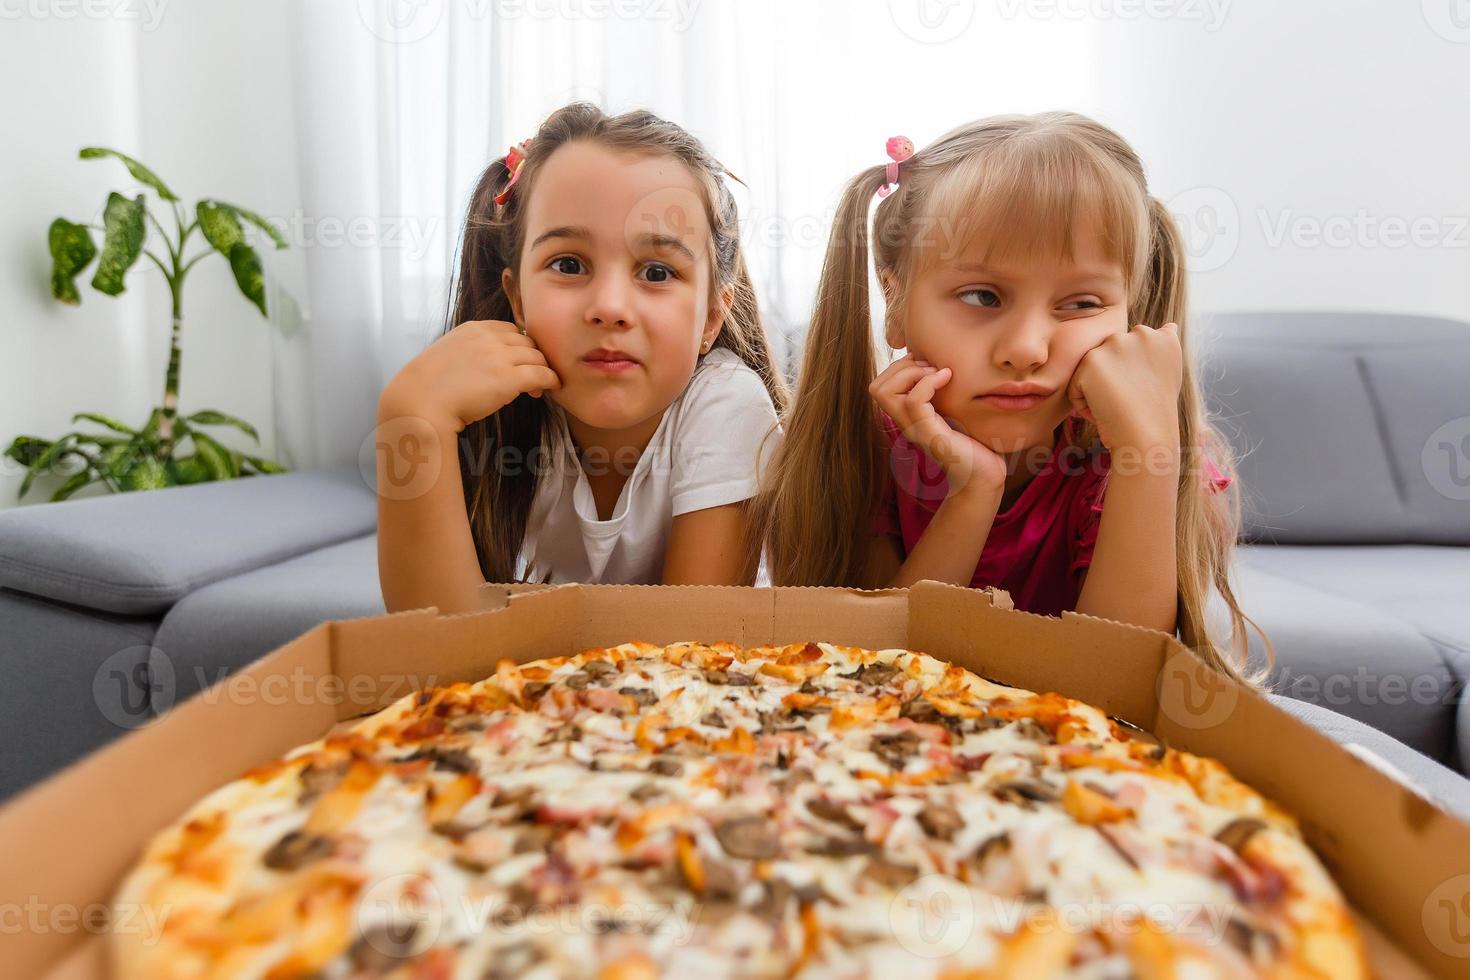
{"x":67,"y":843}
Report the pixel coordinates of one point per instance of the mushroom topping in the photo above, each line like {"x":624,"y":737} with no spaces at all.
{"x":994,"y":844}
{"x":382,"y":947}
{"x":666,"y":766}
{"x":534,"y":689}
{"x":296,"y":849}
{"x":1026,"y":792}
{"x":642,"y":695}
{"x":1238,"y":832}
{"x":714,"y":719}
{"x":751,"y":836}
{"x":940,"y":820}
{"x":1255,"y":944}
{"x":836,"y":812}
{"x":453,"y":760}
{"x":317,"y":779}
{"x":874,"y":674}
{"x":890,"y":874}
{"x":598,"y":668}
{"x":895,"y":748}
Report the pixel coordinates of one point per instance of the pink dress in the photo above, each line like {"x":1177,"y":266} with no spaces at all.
{"x":1038,"y":546}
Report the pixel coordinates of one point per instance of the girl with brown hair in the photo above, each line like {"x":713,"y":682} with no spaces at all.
{"x":604,"y":374}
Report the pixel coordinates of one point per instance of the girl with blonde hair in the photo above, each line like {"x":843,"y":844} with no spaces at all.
{"x":1044,"y":432}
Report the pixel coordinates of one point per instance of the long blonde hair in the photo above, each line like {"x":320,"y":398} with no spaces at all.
{"x":499,"y":498}
{"x":1030,"y":177}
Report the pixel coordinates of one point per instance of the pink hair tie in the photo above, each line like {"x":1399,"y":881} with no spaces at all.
{"x":514,"y":161}
{"x":900,"y":148}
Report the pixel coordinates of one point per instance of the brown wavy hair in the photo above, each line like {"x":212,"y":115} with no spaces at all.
{"x":498,"y":497}
{"x":1029,"y":176}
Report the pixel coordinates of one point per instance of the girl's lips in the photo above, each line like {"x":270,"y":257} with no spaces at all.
{"x":1013,"y":403}
{"x":610,"y":366}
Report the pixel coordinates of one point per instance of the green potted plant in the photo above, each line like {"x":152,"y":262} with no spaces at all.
{"x":169,"y":448}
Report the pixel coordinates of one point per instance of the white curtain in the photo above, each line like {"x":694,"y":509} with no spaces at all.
{"x":401,"y":103}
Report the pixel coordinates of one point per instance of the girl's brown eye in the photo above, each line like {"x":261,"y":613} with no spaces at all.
{"x":566,"y":265}
{"x":980,"y":297}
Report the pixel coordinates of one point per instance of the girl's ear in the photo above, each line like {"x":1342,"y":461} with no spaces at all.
{"x":715,"y":319}
{"x":513,"y":293}
{"x":893,"y":331}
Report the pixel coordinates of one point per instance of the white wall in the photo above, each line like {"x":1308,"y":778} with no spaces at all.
{"x":1331,"y":129}
{"x":199,"y":92}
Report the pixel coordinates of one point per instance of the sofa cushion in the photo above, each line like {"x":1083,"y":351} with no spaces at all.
{"x":74,"y":680}
{"x":139,"y":553}
{"x":222,"y":627}
{"x":1350,"y":428}
{"x":1427,"y":586}
{"x":1351,"y":657}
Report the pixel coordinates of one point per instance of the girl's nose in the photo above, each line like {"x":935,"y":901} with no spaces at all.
{"x":1023,"y":344}
{"x":610,"y":306}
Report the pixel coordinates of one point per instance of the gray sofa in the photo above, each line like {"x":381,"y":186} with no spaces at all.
{"x":114,"y":608}
{"x":1353,"y":432}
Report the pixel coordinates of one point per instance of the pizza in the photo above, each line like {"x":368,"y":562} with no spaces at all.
{"x":706,"y":810}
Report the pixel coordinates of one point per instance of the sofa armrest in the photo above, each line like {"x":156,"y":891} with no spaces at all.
{"x":139,"y":553}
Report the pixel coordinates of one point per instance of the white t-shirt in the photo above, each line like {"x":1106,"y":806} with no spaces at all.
{"x":703,"y":454}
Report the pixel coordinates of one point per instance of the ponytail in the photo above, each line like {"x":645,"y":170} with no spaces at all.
{"x":1207,"y":522}
{"x":827,"y":475}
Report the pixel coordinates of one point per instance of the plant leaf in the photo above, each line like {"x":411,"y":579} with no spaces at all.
{"x":75,"y":483}
{"x":189,"y":469}
{"x":122,"y":242}
{"x":71,"y":249}
{"x":220,"y":462}
{"x":220,"y":225}
{"x":25,"y":450}
{"x":210,"y":417}
{"x":146,"y":473}
{"x":239,"y":214}
{"x":249,"y":276}
{"x":110,"y":423}
{"x":262,"y":465}
{"x":53,"y":454}
{"x":135,"y":168}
